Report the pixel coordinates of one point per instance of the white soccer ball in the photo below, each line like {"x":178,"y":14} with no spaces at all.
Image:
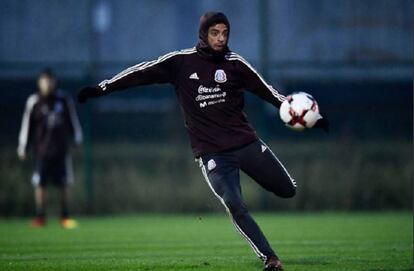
{"x":299,"y":111}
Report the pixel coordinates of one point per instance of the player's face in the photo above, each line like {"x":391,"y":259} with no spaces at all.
{"x":217,"y":37}
{"x":46,"y":85}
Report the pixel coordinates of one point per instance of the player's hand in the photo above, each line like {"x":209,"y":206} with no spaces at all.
{"x":77,"y":140}
{"x":88,"y":92}
{"x":21,"y":155}
{"x":322,"y":123}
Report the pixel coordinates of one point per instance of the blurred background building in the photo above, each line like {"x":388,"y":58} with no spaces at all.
{"x":355,"y":57}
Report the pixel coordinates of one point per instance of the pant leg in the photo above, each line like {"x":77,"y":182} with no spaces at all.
{"x":262,"y":165}
{"x":222,"y":175}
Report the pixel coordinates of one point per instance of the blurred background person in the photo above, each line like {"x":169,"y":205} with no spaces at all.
{"x":50,"y":124}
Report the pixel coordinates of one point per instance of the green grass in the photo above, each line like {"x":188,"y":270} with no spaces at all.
{"x":313,"y":241}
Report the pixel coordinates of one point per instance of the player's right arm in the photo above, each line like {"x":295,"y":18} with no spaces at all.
{"x":159,"y":71}
{"x":26,"y":128}
{"x":254,"y":82}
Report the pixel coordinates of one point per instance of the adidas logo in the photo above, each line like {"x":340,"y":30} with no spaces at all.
{"x":263,"y":148}
{"x":194,"y":76}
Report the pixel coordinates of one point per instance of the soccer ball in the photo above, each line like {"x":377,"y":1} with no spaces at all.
{"x":299,"y":111}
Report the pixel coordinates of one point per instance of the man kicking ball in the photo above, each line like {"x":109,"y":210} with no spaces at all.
{"x":210,"y":81}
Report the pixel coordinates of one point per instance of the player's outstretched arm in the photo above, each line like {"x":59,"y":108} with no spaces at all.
{"x":159,"y":71}
{"x":142,"y":74}
{"x":254,"y":82}
{"x":86,"y":92}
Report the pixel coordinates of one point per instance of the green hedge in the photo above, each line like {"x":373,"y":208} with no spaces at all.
{"x":131,"y":177}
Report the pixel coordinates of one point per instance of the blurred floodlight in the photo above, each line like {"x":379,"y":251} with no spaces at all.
{"x":101,"y":16}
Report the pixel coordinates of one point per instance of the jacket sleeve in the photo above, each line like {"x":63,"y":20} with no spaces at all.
{"x":159,"y":71}
{"x":254,"y":82}
{"x":74,"y":121}
{"x":26,"y":128}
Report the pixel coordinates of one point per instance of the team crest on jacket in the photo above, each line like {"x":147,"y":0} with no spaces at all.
{"x":220,"y":76}
{"x":211,"y":164}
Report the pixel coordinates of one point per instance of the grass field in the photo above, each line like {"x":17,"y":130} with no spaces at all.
{"x":321,"y":241}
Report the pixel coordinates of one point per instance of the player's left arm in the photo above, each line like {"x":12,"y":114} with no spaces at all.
{"x":254,"y":82}
{"x":27,"y":126}
{"x":74,"y":121}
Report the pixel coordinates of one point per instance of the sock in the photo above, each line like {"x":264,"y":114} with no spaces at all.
{"x":64,"y":213}
{"x":40,"y":213}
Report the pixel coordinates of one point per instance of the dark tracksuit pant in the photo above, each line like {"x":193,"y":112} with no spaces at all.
{"x":221,"y":171}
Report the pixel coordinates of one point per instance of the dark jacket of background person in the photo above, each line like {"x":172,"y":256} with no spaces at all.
{"x":49,"y":124}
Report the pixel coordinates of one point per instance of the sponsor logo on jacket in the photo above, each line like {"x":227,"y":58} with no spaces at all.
{"x":210,"y":95}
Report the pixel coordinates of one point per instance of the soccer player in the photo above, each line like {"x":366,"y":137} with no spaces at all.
{"x":209,"y":81}
{"x":50,"y":124}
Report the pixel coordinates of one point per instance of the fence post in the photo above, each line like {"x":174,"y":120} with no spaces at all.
{"x":264,"y":69}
